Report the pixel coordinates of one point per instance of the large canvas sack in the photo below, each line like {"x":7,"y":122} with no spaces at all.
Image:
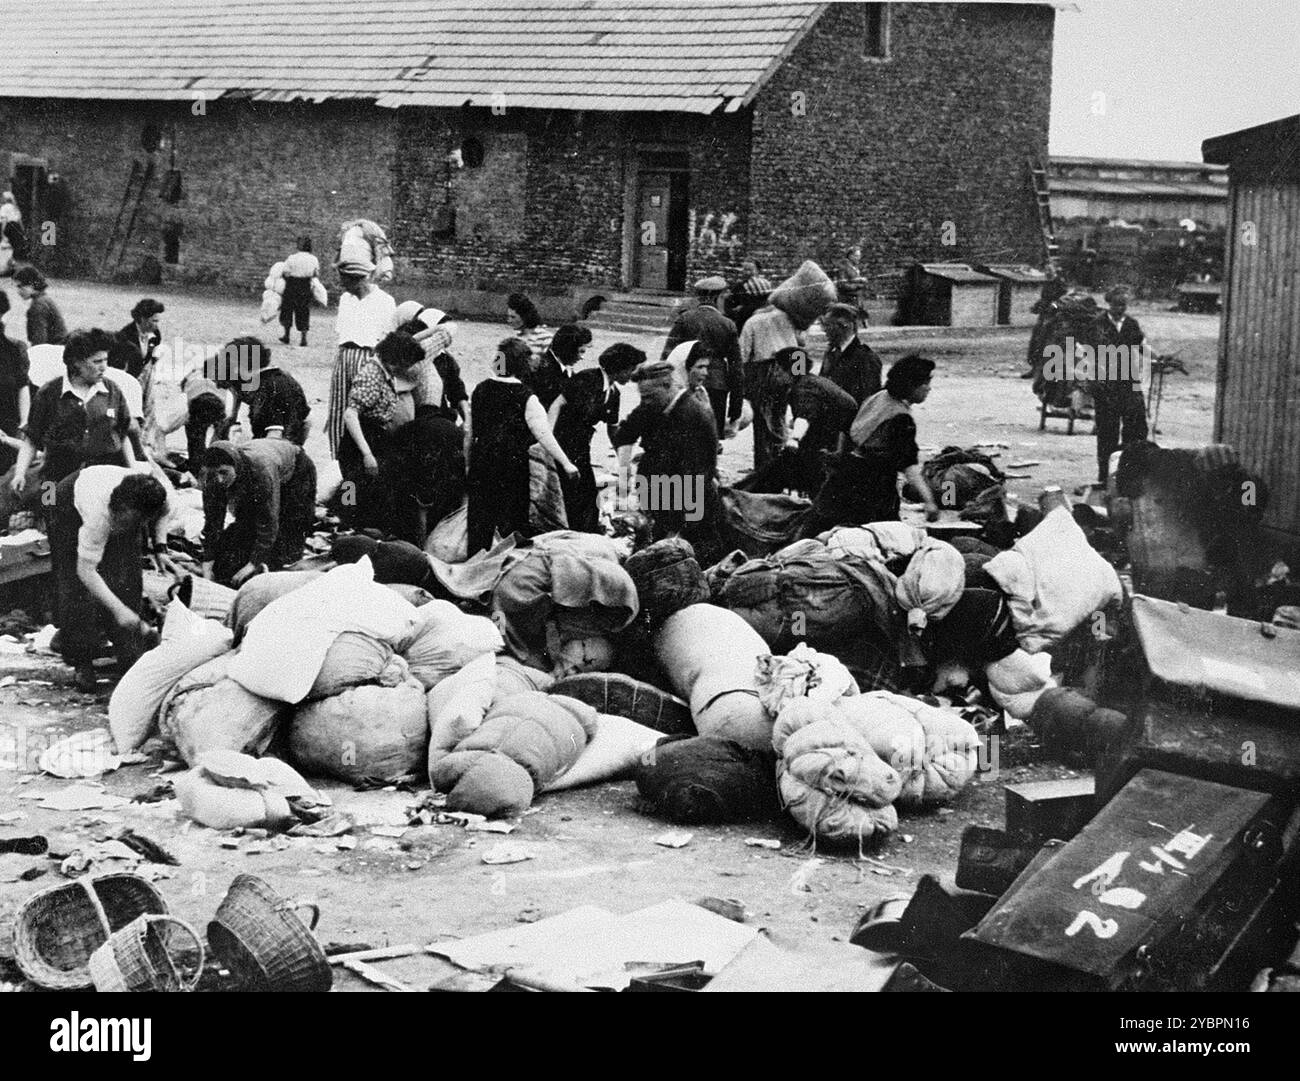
{"x":449,"y":539}
{"x":187,"y":642}
{"x":286,"y":643}
{"x":803,"y":592}
{"x":932,"y":583}
{"x":207,"y":710}
{"x":514,"y":677}
{"x":667,"y":578}
{"x":365,"y":734}
{"x":829,"y":778}
{"x":951,"y":749}
{"x":261,"y":590}
{"x":1054,"y":580}
{"x":711,"y":657}
{"x":805,"y":295}
{"x":355,"y":659}
{"x":698,"y":780}
{"x":444,"y":639}
{"x":758,"y":523}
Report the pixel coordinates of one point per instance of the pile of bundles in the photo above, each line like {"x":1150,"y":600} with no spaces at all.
{"x":958,"y":476}
{"x":838,"y":761}
{"x":753,"y":697}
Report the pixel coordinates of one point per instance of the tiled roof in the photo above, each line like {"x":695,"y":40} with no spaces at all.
{"x":672,"y":55}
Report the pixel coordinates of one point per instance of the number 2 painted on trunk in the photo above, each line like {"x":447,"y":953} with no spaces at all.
{"x":1099,"y":927}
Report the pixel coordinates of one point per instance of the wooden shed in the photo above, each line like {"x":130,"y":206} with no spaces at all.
{"x":1257,"y":394}
{"x":1018,"y":291}
{"x":950,"y":295}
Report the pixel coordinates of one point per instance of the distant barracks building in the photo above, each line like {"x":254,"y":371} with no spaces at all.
{"x":573,"y":146}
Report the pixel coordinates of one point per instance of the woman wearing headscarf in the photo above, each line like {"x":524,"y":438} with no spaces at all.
{"x":269,"y":486}
{"x":691,"y":362}
{"x":526,"y":323}
{"x":441,"y":380}
{"x":505,"y":419}
{"x":366,"y":314}
{"x":863,"y":485}
{"x":45,"y":324}
{"x":402,"y":453}
{"x":590,"y":397}
{"x":557,"y":363}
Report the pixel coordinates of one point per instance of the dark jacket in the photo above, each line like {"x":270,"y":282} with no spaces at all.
{"x":549,"y":380}
{"x":45,"y":324}
{"x":259,"y":493}
{"x":125,"y":353}
{"x":855,"y":369}
{"x":278,"y":401}
{"x":719,"y":335}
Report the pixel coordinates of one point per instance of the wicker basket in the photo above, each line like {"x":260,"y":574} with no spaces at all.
{"x":151,"y":953}
{"x":260,"y":938}
{"x":57,"y":929}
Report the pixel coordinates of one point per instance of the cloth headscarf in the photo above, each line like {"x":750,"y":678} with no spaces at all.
{"x":679,"y":358}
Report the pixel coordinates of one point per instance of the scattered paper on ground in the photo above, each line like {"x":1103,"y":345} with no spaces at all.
{"x":674,"y":839}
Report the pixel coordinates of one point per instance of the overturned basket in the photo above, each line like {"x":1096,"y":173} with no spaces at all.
{"x":260,"y":938}
{"x":57,"y":929}
{"x":151,"y":953}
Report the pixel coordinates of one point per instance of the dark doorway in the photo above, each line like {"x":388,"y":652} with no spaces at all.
{"x":29,"y":191}
{"x":662,"y":233}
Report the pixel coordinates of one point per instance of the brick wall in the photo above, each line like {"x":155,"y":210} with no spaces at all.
{"x":545,"y":212}
{"x":889,"y":151}
{"x":254,"y":176}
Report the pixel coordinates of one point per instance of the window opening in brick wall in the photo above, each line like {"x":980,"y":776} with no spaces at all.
{"x":172,"y":242}
{"x":875,"y":41}
{"x":471,"y":152}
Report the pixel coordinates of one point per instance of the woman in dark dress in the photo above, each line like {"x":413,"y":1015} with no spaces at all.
{"x":15,"y":393}
{"x":589,"y":397}
{"x":863,"y":486}
{"x":505,"y":419}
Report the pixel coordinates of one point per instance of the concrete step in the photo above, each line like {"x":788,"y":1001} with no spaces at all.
{"x":614,"y":326}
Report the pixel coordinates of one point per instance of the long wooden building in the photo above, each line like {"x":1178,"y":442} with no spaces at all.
{"x":1257,"y":404}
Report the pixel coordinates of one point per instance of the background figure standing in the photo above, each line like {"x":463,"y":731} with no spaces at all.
{"x":590,"y":397}
{"x":850,"y":285}
{"x":705,"y":323}
{"x":1117,"y":402}
{"x":849,"y":363}
{"x":15,"y":392}
{"x":765,"y":335}
{"x":526,"y":323}
{"x":556,"y":365}
{"x":45,"y":324}
{"x":679,"y":466}
{"x":505,"y":419}
{"x":748,"y":295}
{"x":133,"y":353}
{"x":299,"y":270}
{"x":366,"y":315}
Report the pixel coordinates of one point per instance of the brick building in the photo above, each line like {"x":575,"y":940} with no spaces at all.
{"x":565,"y":146}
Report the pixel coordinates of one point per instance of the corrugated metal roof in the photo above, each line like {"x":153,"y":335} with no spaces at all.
{"x":956,"y":272}
{"x":671,"y":55}
{"x":1165,"y":189}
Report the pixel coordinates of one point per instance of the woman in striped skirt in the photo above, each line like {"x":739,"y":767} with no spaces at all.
{"x":366,"y":314}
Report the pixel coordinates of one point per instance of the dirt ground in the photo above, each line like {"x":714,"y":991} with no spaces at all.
{"x":588,"y":847}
